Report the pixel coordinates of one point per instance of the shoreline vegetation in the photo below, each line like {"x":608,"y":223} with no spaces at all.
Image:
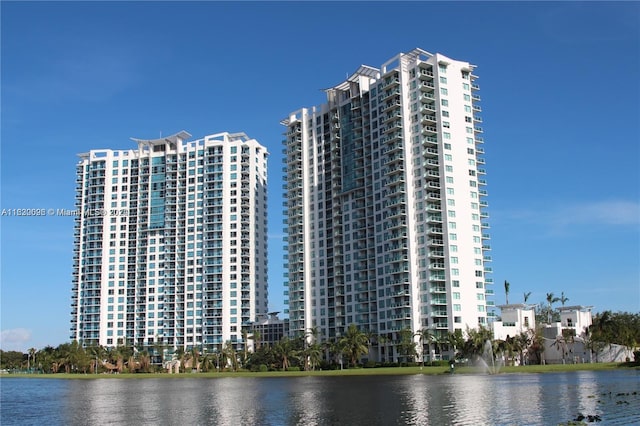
{"x":380,"y":371}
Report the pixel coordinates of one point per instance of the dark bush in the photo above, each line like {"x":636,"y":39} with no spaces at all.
{"x":263,"y":368}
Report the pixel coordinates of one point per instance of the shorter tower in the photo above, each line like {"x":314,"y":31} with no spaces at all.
{"x":170,"y":242}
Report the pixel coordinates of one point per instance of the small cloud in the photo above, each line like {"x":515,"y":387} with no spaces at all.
{"x":605,"y":212}
{"x":560,"y":219}
{"x":14,"y":339}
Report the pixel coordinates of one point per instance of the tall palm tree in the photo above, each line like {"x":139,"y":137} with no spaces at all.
{"x":229,"y":356}
{"x":563,"y":299}
{"x":245,"y":346}
{"x":180,"y":355}
{"x":523,"y":341}
{"x":31,"y":358}
{"x":256,"y":336}
{"x":284,"y":351}
{"x":551,"y":299}
{"x":406,"y":346}
{"x":426,"y":336}
{"x":455,"y":340}
{"x":312,"y":355}
{"x":561,"y":344}
{"x":354,"y":343}
{"x":507,"y":286}
{"x":526,"y":296}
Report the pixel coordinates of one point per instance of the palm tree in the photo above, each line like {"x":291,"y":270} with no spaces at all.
{"x":406,"y":346}
{"x":284,"y":351}
{"x":312,"y":356}
{"x":551,"y":300}
{"x":195,"y":358}
{"x":455,"y":340}
{"x":354,"y":343}
{"x":526,"y":296}
{"x":427,"y":336}
{"x":31,"y":357}
{"x":563,"y":299}
{"x":180,"y":354}
{"x":506,"y":290}
{"x":229,"y":356}
{"x":561,"y":344}
{"x":523,"y":341}
{"x":144,"y":361}
{"x":256,"y":336}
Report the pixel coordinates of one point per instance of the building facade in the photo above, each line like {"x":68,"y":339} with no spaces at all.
{"x":170,"y":242}
{"x":385,"y":209}
{"x":514,"y":319}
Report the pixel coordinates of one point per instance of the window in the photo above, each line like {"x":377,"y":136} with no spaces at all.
{"x":444,"y":102}
{"x":444,"y":91}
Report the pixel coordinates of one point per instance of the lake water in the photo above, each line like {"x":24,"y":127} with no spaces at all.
{"x":503,"y":399}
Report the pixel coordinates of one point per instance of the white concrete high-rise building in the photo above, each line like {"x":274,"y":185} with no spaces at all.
{"x":385,"y":210}
{"x":170,"y":242}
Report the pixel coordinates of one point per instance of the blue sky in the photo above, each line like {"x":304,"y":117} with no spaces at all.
{"x":561,"y":109}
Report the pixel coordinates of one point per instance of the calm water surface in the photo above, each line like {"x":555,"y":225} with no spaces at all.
{"x":507,"y":399}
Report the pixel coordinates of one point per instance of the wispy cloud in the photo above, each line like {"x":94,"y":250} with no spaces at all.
{"x":14,"y":339}
{"x":615,"y":212}
{"x":565,"y":218}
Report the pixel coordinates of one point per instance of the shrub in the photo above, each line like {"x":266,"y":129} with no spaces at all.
{"x":293,"y":369}
{"x":370,"y":364}
{"x":263,"y":368}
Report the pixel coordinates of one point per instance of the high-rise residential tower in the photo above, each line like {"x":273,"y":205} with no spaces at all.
{"x":170,"y":242}
{"x":385,"y":204}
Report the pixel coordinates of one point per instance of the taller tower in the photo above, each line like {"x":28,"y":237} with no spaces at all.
{"x":170,"y":242}
{"x":385,"y":204}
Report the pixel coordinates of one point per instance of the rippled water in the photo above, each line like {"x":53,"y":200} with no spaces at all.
{"x":507,"y":399}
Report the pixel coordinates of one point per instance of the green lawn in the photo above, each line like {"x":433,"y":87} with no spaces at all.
{"x":345,"y":372}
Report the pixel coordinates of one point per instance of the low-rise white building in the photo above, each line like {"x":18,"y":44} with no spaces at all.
{"x":515,"y":319}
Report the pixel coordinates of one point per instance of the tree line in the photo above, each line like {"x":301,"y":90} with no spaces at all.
{"x":307,"y":352}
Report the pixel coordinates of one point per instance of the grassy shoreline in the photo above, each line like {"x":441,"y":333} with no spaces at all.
{"x":390,"y":371}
